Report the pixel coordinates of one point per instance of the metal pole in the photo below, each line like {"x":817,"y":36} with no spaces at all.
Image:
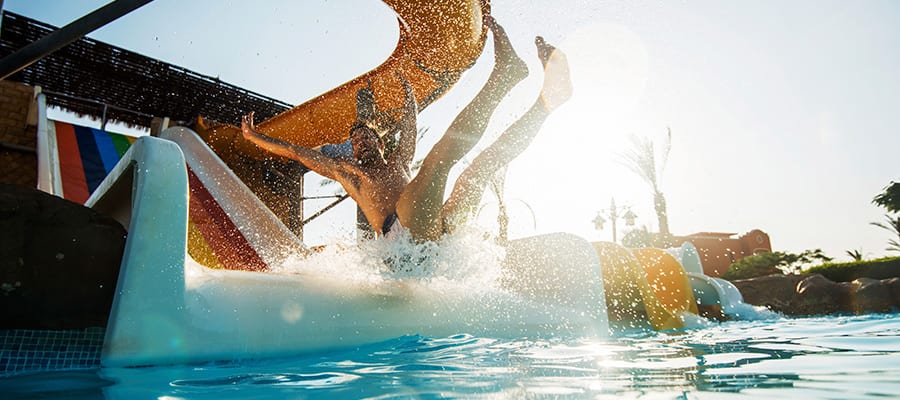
{"x":614,"y":230}
{"x":613,"y":216}
{"x":61,"y":37}
{"x":324,"y":209}
{"x":103,"y":118}
{"x":296,"y":217}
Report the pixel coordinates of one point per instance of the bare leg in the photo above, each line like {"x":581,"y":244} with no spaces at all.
{"x":470,"y":186}
{"x":419,"y":207}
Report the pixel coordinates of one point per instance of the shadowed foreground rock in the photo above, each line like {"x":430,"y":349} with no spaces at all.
{"x":59,"y":261}
{"x":813,"y":294}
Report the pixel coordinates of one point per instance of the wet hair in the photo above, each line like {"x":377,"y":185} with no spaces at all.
{"x":358,"y":125}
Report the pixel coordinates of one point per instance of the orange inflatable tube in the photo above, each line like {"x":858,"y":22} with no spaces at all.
{"x":438,"y":41}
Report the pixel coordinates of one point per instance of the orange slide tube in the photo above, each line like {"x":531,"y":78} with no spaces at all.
{"x":646,"y":284}
{"x":669,"y":287}
{"x":438,"y":41}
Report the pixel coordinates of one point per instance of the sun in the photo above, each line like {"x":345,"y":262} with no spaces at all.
{"x":573,"y":167}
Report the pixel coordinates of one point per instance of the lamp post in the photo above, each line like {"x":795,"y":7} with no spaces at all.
{"x":614,"y":214}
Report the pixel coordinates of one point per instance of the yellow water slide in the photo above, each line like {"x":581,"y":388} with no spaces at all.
{"x":622,"y":277}
{"x":669,"y":287}
{"x":438,"y":41}
{"x":644,"y":284}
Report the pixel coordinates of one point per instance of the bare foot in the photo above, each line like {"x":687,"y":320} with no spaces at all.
{"x":508,"y":67}
{"x":247,"y":126}
{"x":557,"y":80}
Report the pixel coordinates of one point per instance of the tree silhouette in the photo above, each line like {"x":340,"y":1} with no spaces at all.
{"x":856,"y":255}
{"x":641,"y":159}
{"x":893,"y":226}
{"x":890,"y":199}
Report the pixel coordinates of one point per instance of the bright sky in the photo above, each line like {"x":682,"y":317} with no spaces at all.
{"x":782,"y":113}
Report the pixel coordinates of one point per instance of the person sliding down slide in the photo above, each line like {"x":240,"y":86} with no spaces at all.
{"x":383,"y":187}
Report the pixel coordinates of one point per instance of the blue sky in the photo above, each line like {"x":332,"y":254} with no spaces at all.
{"x":782,"y":113}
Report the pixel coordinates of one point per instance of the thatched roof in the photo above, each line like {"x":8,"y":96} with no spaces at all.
{"x":89,"y":69}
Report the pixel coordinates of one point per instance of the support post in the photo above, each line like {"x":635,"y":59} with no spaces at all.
{"x":61,"y":37}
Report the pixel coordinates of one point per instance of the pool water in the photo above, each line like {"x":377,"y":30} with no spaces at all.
{"x":841,"y":357}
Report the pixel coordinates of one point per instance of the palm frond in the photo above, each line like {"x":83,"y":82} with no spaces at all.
{"x":856,"y":255}
{"x":893,"y":245}
{"x":893,"y":226}
{"x":641,"y":160}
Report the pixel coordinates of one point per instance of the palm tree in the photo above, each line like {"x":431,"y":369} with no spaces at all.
{"x":642,"y":160}
{"x":890,"y":198}
{"x":893,"y":226}
{"x":856,"y":255}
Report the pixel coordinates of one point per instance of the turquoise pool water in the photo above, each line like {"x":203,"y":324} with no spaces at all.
{"x":845,"y":357}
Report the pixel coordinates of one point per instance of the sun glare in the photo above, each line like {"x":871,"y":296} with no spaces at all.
{"x":574,"y":165}
{"x":609,"y":66}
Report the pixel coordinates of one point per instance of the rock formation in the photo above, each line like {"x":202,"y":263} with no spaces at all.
{"x":813,"y":294}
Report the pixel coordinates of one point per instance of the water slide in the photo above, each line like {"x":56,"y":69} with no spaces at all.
{"x":716,"y":297}
{"x":669,"y":287}
{"x":659,"y":286}
{"x":438,"y":41}
{"x":645,"y":285}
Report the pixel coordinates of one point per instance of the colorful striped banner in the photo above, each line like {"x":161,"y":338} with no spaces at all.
{"x":86,"y":155}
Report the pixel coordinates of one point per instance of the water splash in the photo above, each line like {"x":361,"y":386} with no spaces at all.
{"x":466,"y":259}
{"x":748,"y":312}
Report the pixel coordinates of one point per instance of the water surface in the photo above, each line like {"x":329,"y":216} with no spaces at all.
{"x":842,"y":357}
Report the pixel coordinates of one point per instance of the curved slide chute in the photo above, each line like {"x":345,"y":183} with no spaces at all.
{"x":622,"y":281}
{"x":649,"y":277}
{"x":669,"y":286}
{"x":716,"y":297}
{"x":688,"y":256}
{"x":707,"y":292}
{"x":439,"y":40}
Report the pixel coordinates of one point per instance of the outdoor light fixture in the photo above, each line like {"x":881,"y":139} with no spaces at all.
{"x":613,"y":214}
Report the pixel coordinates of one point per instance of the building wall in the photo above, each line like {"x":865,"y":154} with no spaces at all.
{"x":719,"y":251}
{"x":18,"y":160}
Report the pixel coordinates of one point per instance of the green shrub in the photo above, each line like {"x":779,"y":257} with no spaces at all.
{"x":881,"y":268}
{"x":776,"y":262}
{"x":750,"y":267}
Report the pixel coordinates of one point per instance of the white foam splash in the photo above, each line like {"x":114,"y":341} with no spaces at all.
{"x":694,"y":321}
{"x":748,"y":312}
{"x":467,"y":259}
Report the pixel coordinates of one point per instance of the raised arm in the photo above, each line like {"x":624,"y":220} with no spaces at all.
{"x":406,"y":145}
{"x":312,"y":159}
